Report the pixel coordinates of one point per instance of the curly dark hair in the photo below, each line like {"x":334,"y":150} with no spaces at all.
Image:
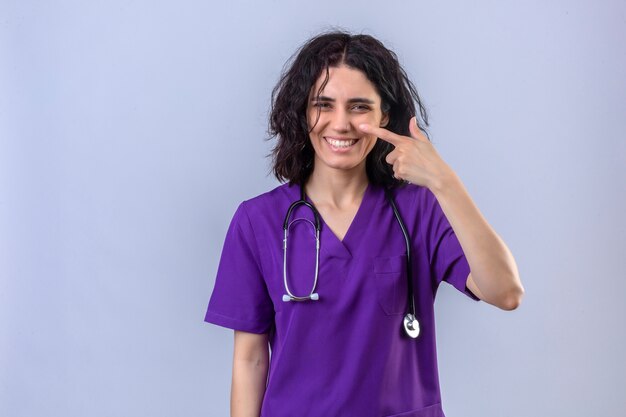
{"x":293,"y":153}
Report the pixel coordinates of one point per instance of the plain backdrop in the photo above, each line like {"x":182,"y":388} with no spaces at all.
{"x":131,"y":130}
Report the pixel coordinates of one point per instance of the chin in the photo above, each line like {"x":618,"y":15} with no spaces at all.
{"x":342,"y":165}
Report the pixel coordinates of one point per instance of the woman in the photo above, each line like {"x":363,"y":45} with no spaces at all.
{"x":351,"y":328}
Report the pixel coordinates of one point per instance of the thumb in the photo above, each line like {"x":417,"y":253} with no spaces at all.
{"x":416,"y":132}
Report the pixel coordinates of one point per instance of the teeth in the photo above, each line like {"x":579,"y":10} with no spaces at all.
{"x":341,"y":143}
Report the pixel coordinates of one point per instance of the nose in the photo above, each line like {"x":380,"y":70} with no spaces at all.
{"x":341,"y":121}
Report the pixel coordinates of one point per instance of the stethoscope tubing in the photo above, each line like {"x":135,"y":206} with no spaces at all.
{"x":405,"y":233}
{"x":410,"y":323}
{"x":317,"y":226}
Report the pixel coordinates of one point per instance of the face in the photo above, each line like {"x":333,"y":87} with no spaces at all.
{"x":348,"y":99}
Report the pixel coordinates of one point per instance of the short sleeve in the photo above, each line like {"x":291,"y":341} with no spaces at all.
{"x":446,"y":255}
{"x":240,"y":299}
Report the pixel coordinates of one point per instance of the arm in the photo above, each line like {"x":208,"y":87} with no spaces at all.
{"x":494,"y":277}
{"x":250,"y":365}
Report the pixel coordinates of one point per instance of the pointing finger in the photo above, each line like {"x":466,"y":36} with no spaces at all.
{"x":383,"y":134}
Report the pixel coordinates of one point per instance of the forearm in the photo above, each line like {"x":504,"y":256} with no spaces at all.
{"x":248,"y":387}
{"x":493,"y":268}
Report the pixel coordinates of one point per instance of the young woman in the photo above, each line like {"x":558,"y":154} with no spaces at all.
{"x":349,"y":318}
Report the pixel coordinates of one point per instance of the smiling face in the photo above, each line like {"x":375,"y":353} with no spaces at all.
{"x":348,"y":99}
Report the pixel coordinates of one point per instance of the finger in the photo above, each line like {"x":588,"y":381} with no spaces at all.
{"x":416,"y":132}
{"x":384,"y":134}
{"x":391,"y":157}
{"x":396,"y":171}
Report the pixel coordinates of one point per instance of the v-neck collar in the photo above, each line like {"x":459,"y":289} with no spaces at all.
{"x":351,"y":241}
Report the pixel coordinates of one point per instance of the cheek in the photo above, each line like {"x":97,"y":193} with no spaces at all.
{"x":372,"y":117}
{"x":315,"y":122}
{"x":371,"y":142}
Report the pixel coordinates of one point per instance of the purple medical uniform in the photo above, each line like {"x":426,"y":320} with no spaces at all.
{"x":345,"y":354}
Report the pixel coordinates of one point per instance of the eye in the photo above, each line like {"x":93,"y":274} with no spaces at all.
{"x":322,"y":105}
{"x":361,"y":107}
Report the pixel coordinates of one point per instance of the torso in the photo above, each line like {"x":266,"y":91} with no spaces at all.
{"x":350,"y":340}
{"x":345,"y":353}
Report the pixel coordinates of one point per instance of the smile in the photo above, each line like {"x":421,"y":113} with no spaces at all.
{"x":340,"y":143}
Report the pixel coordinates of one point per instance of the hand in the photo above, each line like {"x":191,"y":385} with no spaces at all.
{"x":414,"y":158}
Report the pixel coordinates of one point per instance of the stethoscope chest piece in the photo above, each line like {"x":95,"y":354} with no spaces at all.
{"x":411,"y":326}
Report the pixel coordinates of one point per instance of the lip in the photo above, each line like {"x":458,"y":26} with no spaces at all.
{"x":336,"y":149}
{"x":340,"y":138}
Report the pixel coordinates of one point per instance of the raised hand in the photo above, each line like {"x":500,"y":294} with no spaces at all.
{"x":414,"y":158}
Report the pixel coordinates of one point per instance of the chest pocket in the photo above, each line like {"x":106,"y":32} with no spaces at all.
{"x":391,"y":283}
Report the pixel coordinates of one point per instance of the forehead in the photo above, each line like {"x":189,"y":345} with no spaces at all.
{"x":345,"y":82}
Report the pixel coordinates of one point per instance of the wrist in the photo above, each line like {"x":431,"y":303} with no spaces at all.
{"x":444,"y":182}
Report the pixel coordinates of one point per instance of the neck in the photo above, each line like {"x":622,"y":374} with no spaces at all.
{"x":337,"y":188}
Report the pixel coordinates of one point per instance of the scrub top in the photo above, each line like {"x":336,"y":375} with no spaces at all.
{"x":345,"y":354}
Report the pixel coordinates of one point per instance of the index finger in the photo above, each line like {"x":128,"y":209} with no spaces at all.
{"x":384,"y":134}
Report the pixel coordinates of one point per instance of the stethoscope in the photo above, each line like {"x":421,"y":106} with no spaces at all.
{"x":410,"y":323}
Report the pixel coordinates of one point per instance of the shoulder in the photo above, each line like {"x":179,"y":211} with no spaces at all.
{"x":256,"y":215}
{"x":267,"y":203}
{"x":419,"y":205}
{"x":271,"y":195}
{"x":415,"y":196}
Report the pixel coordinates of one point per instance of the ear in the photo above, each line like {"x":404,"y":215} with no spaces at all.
{"x":385,"y":120}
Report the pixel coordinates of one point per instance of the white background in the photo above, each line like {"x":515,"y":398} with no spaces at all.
{"x":131,"y":130}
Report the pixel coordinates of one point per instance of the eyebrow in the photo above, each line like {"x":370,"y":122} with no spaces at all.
{"x":352,"y":100}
